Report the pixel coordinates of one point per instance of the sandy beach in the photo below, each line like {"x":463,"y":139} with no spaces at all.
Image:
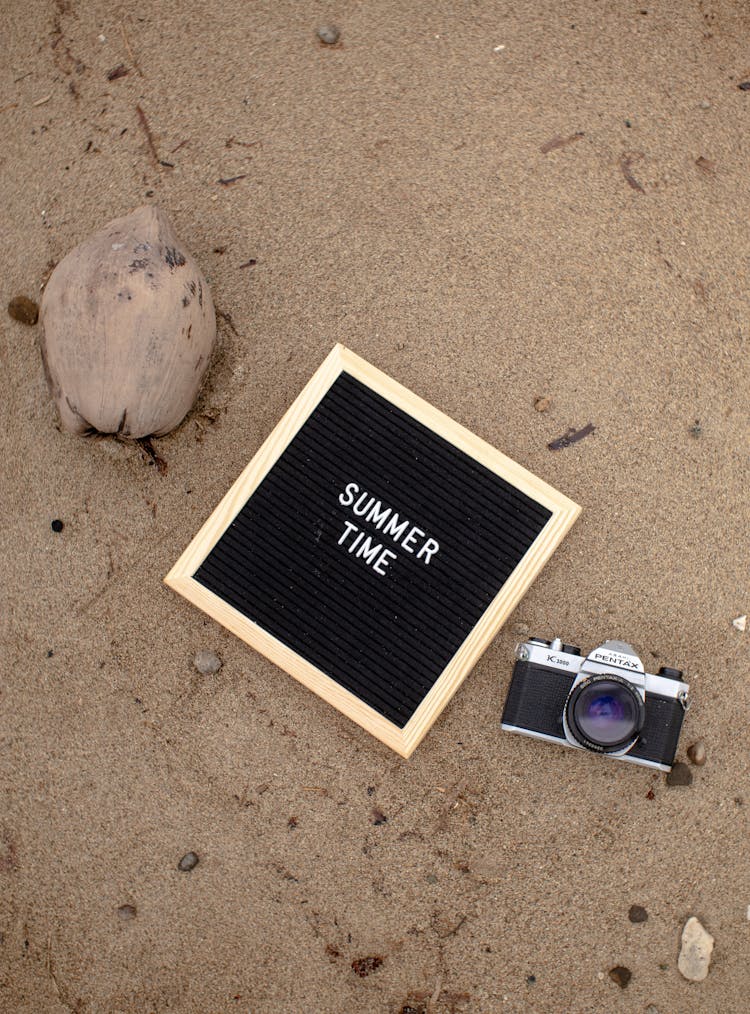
{"x":493,"y":204}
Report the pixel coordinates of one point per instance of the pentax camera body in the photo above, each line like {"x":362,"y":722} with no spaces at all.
{"x":606,"y":702}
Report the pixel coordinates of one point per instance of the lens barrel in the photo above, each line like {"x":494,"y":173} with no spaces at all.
{"x":605,"y":713}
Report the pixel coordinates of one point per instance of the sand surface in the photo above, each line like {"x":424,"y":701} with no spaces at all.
{"x":397,"y":198}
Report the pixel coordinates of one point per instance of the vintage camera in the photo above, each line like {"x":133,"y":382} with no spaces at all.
{"x":605,"y":702}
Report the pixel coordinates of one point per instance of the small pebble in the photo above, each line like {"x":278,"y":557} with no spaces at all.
{"x":521,"y":629}
{"x":740,"y":623}
{"x":696,"y":429}
{"x":207,"y":662}
{"x":24,"y":309}
{"x":127,"y":912}
{"x":651,"y":1009}
{"x":696,"y":950}
{"x":744,"y":86}
{"x":621,"y":975}
{"x":637,"y":913}
{"x":705,"y":104}
{"x":542,"y":404}
{"x":328,"y":34}
{"x":680,"y":775}
{"x":431,"y":878}
{"x":57,"y":525}
{"x":188,"y":862}
{"x":378,"y":817}
{"x":531,"y":979}
{"x":697,"y":753}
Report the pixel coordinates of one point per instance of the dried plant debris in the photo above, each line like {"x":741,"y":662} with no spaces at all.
{"x":626,"y":161}
{"x":149,"y":136}
{"x":559,"y":142}
{"x":706,"y":165}
{"x":571,"y":436}
{"x":119,"y":71}
{"x":365,"y":966}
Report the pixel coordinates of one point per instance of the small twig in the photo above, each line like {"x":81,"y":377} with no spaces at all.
{"x":625,"y":163}
{"x":571,"y":436}
{"x":456,"y":928}
{"x":438,"y":990}
{"x":243,"y":144}
{"x":117,"y":72}
{"x":231,"y":179}
{"x":149,"y":135}
{"x":148,"y":448}
{"x":180,"y":145}
{"x":131,"y":54}
{"x":559,"y":142}
{"x":249,"y":264}
{"x":40,"y":102}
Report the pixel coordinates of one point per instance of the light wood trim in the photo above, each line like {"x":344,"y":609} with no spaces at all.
{"x":253,"y":473}
{"x":282,"y":656}
{"x":403,"y":741}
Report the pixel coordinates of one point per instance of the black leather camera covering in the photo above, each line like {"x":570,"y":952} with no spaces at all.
{"x":536,"y":700}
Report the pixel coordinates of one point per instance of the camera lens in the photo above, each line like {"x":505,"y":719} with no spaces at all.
{"x":605,"y":713}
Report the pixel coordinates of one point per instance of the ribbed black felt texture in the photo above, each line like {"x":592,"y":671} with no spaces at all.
{"x":388,"y":637}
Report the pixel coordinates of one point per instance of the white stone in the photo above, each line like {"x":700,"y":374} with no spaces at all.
{"x":695,"y":954}
{"x":740,"y":623}
{"x":207,"y":662}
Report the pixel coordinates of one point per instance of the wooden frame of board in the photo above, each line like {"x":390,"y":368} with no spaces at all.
{"x":402,"y":740}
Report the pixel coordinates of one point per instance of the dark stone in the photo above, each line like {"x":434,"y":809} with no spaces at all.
{"x":378,"y":817}
{"x":744,"y":86}
{"x":188,"y":862}
{"x":680,"y":775}
{"x":57,"y":525}
{"x":621,"y":975}
{"x":23,"y":309}
{"x":637,"y":913}
{"x":127,"y":912}
{"x":531,"y":979}
{"x":328,"y":35}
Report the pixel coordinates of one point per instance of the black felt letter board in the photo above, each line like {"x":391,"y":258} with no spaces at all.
{"x":371,"y":550}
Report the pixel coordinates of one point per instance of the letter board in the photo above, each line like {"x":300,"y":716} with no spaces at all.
{"x":372,"y":548}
